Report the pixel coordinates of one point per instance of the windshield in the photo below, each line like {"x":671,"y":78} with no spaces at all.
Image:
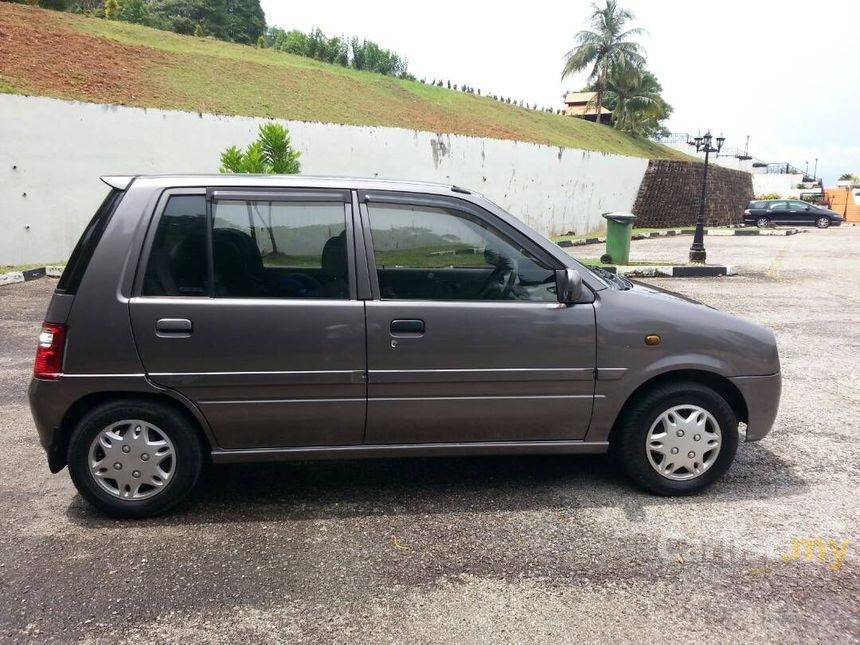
{"x":611,"y":278}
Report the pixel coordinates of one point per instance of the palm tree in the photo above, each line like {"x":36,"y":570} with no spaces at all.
{"x":605,"y":47}
{"x":633,"y":94}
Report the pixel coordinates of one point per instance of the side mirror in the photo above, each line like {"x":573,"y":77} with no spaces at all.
{"x":568,"y":285}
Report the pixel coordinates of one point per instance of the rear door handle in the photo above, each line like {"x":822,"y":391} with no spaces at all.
{"x":173,"y":328}
{"x":407,"y":327}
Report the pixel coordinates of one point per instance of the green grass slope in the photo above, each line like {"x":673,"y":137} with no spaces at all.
{"x":69,"y":56}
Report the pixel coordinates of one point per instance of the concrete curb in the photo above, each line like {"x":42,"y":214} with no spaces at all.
{"x":14,"y":277}
{"x":687,"y":231}
{"x":680,"y":271}
{"x":589,"y":240}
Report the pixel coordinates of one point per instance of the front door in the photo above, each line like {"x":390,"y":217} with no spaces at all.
{"x":466,"y":340}
{"x":247,"y":307}
{"x":801,"y":213}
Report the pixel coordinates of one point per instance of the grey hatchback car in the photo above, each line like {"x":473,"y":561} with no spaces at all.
{"x":235,"y":319}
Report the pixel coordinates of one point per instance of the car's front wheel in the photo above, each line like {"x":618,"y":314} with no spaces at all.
{"x":762,"y":222}
{"x":134,"y":458}
{"x":677,"y":439}
{"x":822,"y":222}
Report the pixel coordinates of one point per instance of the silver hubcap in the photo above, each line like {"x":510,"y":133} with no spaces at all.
{"x":132,"y":459}
{"x":823,"y":222}
{"x":683,"y":442}
{"x":762,"y":223}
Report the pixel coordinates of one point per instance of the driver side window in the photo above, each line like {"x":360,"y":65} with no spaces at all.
{"x":427,"y":253}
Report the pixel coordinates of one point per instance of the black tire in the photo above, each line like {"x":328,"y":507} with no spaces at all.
{"x":762,"y":222}
{"x":822,"y":222}
{"x":630,"y":436}
{"x":177,"y":428}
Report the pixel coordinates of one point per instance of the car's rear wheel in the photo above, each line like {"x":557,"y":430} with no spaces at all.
{"x":822,"y":222}
{"x":762,"y":222}
{"x":134,"y":458}
{"x":677,"y":439}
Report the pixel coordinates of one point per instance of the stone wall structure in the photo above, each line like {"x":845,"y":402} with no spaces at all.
{"x":670,"y":192}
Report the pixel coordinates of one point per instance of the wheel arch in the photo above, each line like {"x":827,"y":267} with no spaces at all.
{"x":94,"y":399}
{"x":720,"y":384}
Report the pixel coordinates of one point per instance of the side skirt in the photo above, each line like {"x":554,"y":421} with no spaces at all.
{"x":388,"y":451}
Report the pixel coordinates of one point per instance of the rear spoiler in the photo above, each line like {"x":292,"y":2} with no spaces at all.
{"x":120,"y":182}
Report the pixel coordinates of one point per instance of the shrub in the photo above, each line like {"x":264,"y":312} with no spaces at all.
{"x":271,"y":153}
{"x":111,"y":9}
{"x":769,"y":196}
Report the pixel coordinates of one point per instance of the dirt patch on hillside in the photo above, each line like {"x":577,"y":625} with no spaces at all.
{"x":43,"y":56}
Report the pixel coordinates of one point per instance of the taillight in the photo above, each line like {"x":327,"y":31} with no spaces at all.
{"x":747,"y":211}
{"x":49,"y":351}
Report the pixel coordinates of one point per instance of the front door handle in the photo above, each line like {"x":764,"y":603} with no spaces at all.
{"x":173,"y":328}
{"x":407,"y":327}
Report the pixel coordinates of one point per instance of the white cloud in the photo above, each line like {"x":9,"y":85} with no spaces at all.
{"x":783,"y":72}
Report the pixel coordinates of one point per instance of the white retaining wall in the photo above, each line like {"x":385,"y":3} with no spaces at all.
{"x":52,"y":153}
{"x":782,"y":184}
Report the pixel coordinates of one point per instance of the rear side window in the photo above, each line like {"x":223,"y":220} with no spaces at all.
{"x":259,"y":249}
{"x":177,"y":263}
{"x":279,"y":249}
{"x":86,"y":246}
{"x":757,"y":205}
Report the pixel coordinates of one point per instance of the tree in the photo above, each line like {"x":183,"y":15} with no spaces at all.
{"x":271,"y":153}
{"x":849,"y":176}
{"x":136,"y":11}
{"x":604,"y":48}
{"x":245,"y":21}
{"x":240,"y":21}
{"x":634,"y":96}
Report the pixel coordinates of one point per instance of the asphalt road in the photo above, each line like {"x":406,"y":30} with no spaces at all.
{"x":474,"y":550}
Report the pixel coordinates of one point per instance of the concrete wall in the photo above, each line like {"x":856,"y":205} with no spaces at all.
{"x":52,"y":153}
{"x":783,"y":185}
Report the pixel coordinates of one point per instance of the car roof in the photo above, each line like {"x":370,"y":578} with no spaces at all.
{"x":121,"y":182}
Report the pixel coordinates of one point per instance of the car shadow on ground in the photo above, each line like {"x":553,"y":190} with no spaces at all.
{"x":391,"y":487}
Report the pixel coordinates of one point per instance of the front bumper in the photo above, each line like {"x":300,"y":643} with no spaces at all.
{"x":761,"y":395}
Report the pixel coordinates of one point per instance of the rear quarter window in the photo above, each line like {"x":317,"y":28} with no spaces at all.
{"x":70,"y":280}
{"x":757,"y":205}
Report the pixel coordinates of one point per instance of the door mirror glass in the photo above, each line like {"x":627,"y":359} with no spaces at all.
{"x":568,"y":285}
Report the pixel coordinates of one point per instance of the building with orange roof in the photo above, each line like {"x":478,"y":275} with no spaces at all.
{"x":583,"y":105}
{"x":844,"y":198}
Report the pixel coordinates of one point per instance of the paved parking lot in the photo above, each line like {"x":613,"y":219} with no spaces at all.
{"x":475,"y":550}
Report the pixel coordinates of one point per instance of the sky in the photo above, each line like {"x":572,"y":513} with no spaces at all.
{"x":782,"y":72}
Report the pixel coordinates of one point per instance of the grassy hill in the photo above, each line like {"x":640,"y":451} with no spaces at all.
{"x":69,"y":56}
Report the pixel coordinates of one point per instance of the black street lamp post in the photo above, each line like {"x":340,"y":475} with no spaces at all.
{"x":703,"y":144}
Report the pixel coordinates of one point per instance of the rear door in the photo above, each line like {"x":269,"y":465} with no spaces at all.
{"x":466,"y":340}
{"x":247,"y":306}
{"x":778,"y":213}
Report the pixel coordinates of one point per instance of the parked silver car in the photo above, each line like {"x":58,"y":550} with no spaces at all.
{"x":243,"y":318}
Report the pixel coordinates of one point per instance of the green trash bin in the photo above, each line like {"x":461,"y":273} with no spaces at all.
{"x":619,"y":227}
